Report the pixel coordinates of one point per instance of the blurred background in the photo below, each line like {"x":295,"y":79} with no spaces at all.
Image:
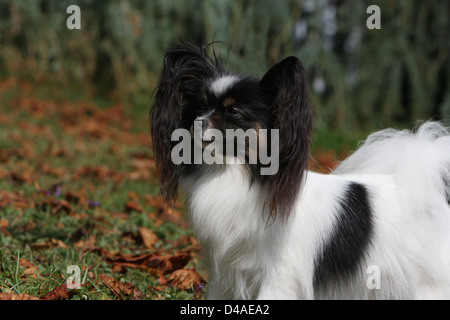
{"x":360,"y":78}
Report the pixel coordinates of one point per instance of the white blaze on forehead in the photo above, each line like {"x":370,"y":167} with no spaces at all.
{"x":221,"y":85}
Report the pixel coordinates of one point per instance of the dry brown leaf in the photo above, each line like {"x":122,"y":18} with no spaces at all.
{"x":3,"y":173}
{"x":56,"y":172}
{"x":55,"y":243}
{"x":164,"y":264}
{"x":5,"y":232}
{"x":154,"y":262}
{"x":120,"y":215}
{"x":36,"y":130}
{"x":15,"y":296}
{"x":122,"y":261}
{"x":121,"y":288}
{"x":14,"y":199}
{"x":4,"y":223}
{"x":133,"y":206}
{"x":142,"y":169}
{"x":29,"y":226}
{"x":132,"y":196}
{"x":165,"y":212}
{"x":30,"y":269}
{"x":60,"y":293}
{"x":142,"y":175}
{"x":186,"y":279}
{"x":149,"y":238}
{"x":77,"y":198}
{"x":99,"y":173}
{"x":86,"y":244}
{"x":177,"y":261}
{"x":81,"y":232}
{"x":143,"y":164}
{"x":4,"y":120}
{"x":7,"y":154}
{"x":23,"y":177}
{"x":56,"y":206}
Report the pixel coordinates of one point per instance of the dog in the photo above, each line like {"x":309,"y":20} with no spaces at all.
{"x":377,"y":227}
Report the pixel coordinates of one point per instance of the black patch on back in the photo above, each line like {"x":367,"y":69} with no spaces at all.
{"x":345,"y":249}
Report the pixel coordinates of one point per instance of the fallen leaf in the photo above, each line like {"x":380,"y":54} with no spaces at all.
{"x":133,"y":206}
{"x":7,"y":154}
{"x":101,"y":173}
{"x":22,"y":177}
{"x":177,"y":261}
{"x":50,"y":243}
{"x":154,"y":262}
{"x":5,"y":232}
{"x":60,"y":293}
{"x":29,"y":226}
{"x":3,"y":225}
{"x":132,"y":196}
{"x":79,"y":233}
{"x":121,"y":288}
{"x":142,"y":169}
{"x":4,"y":173}
{"x":120,"y":215}
{"x":122,"y":261}
{"x":56,"y":172}
{"x":76,"y":198}
{"x":14,"y":199}
{"x":167,"y":213}
{"x":162,"y":280}
{"x":56,"y":206}
{"x":15,"y":296}
{"x":30,"y":270}
{"x":186,"y":279}
{"x":149,"y":238}
{"x":87,"y":244}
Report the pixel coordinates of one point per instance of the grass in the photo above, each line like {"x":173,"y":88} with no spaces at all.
{"x":53,"y":143}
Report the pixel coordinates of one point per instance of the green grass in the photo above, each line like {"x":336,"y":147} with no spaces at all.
{"x":46,"y":152}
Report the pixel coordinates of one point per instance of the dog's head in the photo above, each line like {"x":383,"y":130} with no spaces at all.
{"x":194,"y":91}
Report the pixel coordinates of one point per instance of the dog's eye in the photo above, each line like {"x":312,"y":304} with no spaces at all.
{"x":233,"y":111}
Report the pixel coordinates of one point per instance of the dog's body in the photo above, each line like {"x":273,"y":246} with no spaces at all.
{"x":378,"y":227}
{"x":346,"y":230}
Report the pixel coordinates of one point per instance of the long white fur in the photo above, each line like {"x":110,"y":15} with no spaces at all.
{"x":404,"y":173}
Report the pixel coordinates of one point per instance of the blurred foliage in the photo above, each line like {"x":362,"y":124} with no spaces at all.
{"x":358,"y":77}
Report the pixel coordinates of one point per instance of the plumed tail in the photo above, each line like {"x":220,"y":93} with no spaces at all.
{"x":418,"y":160}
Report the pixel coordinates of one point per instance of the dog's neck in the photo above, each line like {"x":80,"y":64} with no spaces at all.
{"x":227,"y":216}
{"x":222,"y":199}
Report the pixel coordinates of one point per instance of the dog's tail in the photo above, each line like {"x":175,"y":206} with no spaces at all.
{"x":418,"y":160}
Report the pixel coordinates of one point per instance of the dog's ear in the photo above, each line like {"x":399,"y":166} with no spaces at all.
{"x":287,"y":87}
{"x":185,"y":68}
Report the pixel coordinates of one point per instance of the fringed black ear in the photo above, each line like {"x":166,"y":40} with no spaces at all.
{"x":185,"y":68}
{"x":287,"y":87}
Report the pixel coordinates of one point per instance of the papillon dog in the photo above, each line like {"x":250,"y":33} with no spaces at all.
{"x":377,"y":227}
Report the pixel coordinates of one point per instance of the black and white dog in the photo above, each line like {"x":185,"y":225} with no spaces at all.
{"x":378,"y":227}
